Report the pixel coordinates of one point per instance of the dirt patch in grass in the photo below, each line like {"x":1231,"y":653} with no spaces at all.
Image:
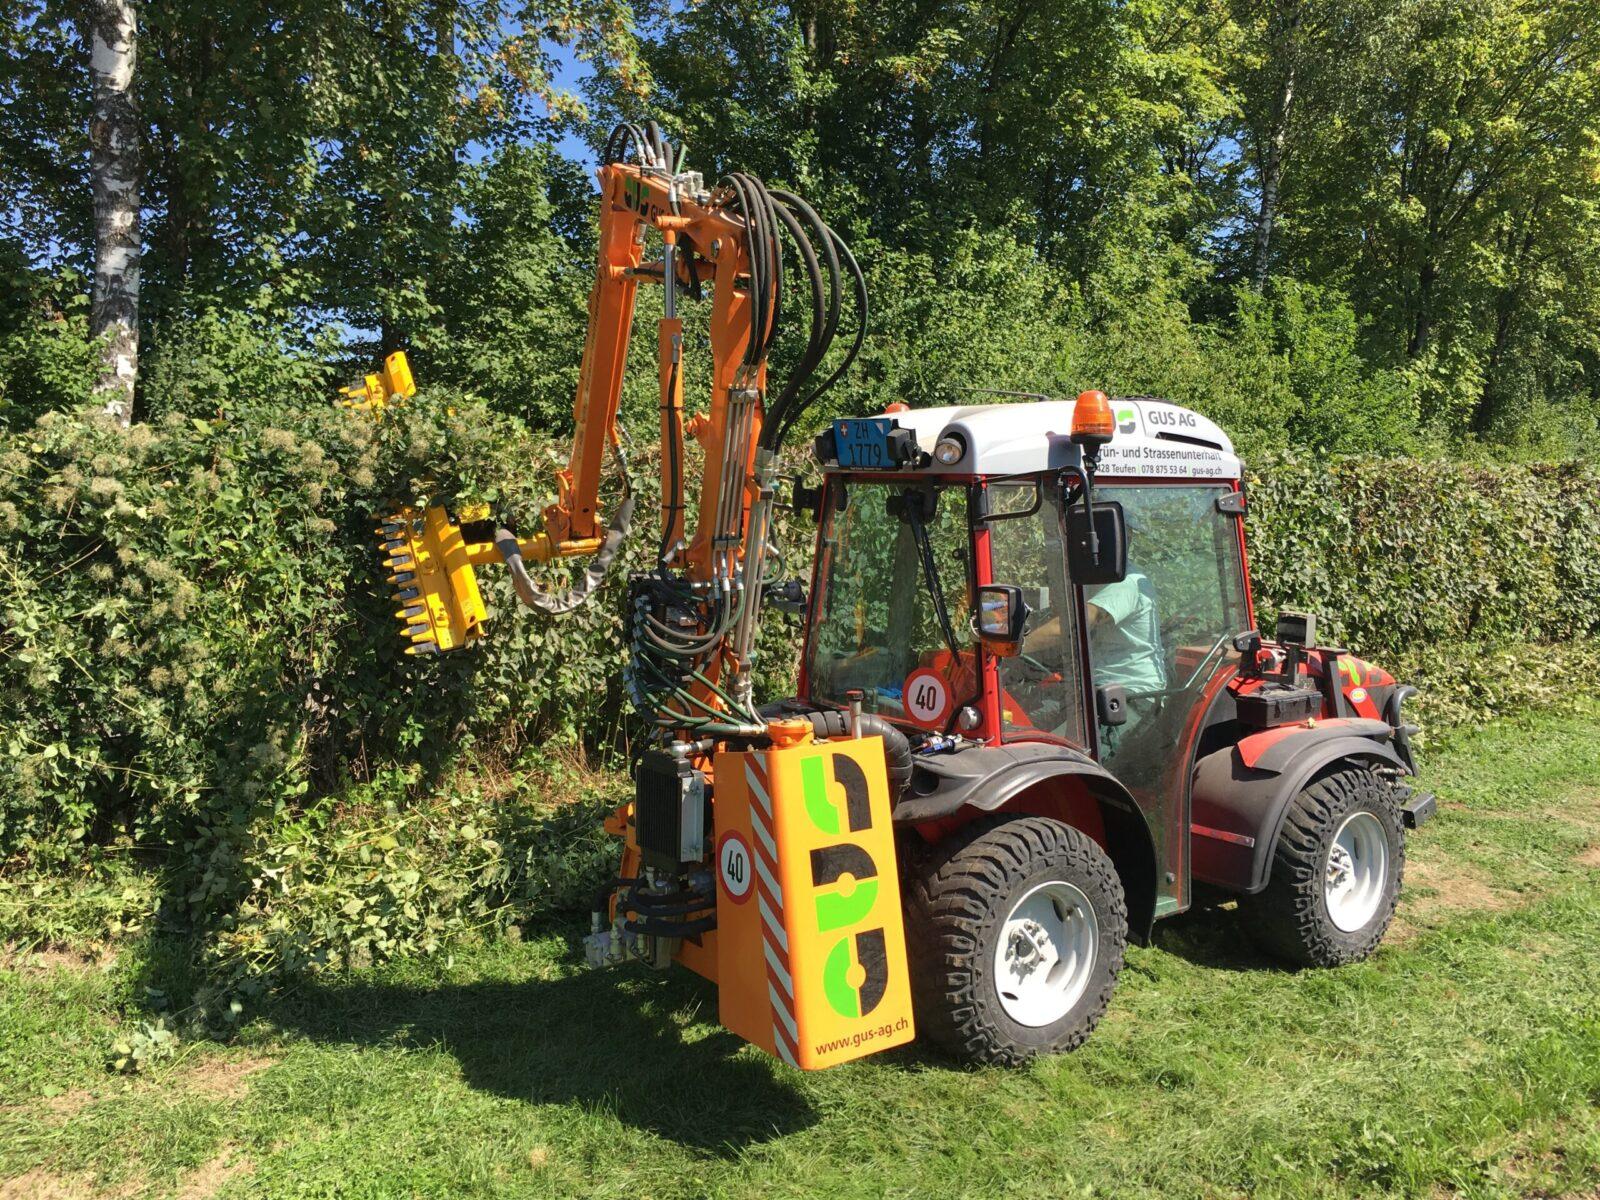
{"x":214,"y":1079}
{"x":41,"y":960}
{"x":45,"y":1185}
{"x":54,"y":1108}
{"x":207,"y":1179}
{"x":1582,"y":813}
{"x":67,"y":1104}
{"x":1435,"y":891}
{"x":219,"y":1078}
{"x":1582,"y":810}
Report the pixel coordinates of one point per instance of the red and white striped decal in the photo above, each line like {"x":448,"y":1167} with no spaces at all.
{"x":769,"y":898}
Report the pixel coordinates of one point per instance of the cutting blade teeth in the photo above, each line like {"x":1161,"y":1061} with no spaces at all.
{"x":422,"y":648}
{"x":421,"y":632}
{"x":410,"y":614}
{"x":400,"y":578}
{"x":405,"y":594}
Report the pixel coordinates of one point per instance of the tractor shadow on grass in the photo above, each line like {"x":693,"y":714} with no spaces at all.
{"x":599,"y":1040}
{"x":1214,"y":936}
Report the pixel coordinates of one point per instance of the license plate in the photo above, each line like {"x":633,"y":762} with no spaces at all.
{"x":863,"y":443}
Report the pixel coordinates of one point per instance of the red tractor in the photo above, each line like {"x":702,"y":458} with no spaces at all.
{"x":1085,"y":723}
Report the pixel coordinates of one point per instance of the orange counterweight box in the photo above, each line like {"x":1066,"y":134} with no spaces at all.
{"x":811,"y":950}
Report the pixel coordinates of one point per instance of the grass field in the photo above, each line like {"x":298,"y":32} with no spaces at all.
{"x":1464,"y":1059}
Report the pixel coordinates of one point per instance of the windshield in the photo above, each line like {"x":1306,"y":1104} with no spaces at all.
{"x":879,"y":620}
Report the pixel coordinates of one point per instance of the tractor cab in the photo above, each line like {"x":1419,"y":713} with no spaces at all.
{"x":981,"y":521}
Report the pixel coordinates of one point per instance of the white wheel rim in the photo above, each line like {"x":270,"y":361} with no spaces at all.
{"x":1357,"y":871}
{"x":1046,"y":954}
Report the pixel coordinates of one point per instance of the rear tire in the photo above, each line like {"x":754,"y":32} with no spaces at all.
{"x":1336,"y":872}
{"x":1016,"y":930}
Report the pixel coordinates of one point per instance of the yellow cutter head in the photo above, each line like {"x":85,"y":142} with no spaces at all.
{"x":440,"y":606}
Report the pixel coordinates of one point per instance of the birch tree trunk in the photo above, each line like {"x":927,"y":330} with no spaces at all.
{"x":114,"y":177}
{"x":1286,"y":50}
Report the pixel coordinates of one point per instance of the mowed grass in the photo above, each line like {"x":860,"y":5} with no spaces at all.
{"x":1464,"y":1059}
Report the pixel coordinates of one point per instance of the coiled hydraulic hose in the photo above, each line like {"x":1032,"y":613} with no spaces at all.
{"x":673,"y":663}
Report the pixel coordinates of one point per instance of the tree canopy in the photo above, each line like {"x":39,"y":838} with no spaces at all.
{"x":1340,"y":224}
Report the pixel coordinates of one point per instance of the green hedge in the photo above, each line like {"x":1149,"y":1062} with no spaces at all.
{"x":1409,"y":556}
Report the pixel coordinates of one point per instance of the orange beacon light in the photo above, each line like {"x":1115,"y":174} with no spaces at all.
{"x":1093,"y":422}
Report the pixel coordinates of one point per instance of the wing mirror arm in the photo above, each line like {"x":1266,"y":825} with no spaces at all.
{"x":1084,"y":476}
{"x":1096,"y":535}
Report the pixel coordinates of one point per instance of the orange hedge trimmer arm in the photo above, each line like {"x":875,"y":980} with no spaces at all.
{"x":633,"y":200}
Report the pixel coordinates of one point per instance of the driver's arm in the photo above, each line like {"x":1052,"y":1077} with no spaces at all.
{"x":1112,"y":603}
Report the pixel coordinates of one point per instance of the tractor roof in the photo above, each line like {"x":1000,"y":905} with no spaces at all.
{"x":1155,"y":439}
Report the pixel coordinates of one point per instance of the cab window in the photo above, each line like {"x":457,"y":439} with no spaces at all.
{"x":1042,"y":687}
{"x":893,"y":572}
{"x":1163,"y":632}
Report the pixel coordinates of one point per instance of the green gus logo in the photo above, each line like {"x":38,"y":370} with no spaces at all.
{"x":634,"y":193}
{"x":1127,"y":420}
{"x":853,"y":989}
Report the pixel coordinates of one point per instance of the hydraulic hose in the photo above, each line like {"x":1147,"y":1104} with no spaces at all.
{"x":835,"y":723}
{"x":564,"y":601}
{"x":671,"y":929}
{"x":682,"y":634}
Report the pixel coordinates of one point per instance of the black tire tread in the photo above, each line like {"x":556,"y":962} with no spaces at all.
{"x":959,"y":887}
{"x":1288,"y":918}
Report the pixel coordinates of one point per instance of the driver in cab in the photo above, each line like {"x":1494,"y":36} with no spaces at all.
{"x":1124,"y":645}
{"x":1125,"y":642}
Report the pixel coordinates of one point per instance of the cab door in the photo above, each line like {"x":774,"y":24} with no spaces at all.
{"x":1164,"y":634}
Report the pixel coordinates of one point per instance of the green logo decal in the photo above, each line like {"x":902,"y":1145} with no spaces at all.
{"x":872,"y":970}
{"x":854,"y":986}
{"x":835,"y":910}
{"x":842,"y":998}
{"x":814,"y":787}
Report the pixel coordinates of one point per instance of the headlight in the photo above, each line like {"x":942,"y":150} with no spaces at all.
{"x":952,"y":447}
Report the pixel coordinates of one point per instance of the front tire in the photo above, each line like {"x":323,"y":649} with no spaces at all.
{"x":1016,"y":930}
{"x":1336,"y":872}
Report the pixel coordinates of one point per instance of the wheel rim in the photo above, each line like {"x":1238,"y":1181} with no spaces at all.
{"x":1357,"y":872}
{"x":1046,"y":955}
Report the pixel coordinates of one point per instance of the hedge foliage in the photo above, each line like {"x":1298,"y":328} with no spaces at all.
{"x":1480,"y":584}
{"x":1408,"y":556}
{"x":199,"y":672}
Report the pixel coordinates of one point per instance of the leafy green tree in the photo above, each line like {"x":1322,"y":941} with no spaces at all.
{"x":1063,"y":127}
{"x":44,"y":133}
{"x":512,"y":292}
{"x":1447,"y":188}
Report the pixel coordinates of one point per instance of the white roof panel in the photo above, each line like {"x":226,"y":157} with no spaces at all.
{"x":1154,"y":439}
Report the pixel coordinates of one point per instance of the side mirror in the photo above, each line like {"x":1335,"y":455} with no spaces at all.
{"x":1002,"y":613}
{"x":803,"y":499}
{"x":1111,"y":704}
{"x":1110,"y":565}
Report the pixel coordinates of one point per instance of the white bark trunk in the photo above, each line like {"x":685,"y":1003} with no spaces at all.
{"x":114,"y":176}
{"x":1287,"y":51}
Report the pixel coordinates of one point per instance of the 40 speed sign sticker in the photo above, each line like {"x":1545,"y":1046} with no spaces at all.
{"x":735,"y":867}
{"x":927,"y":698}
